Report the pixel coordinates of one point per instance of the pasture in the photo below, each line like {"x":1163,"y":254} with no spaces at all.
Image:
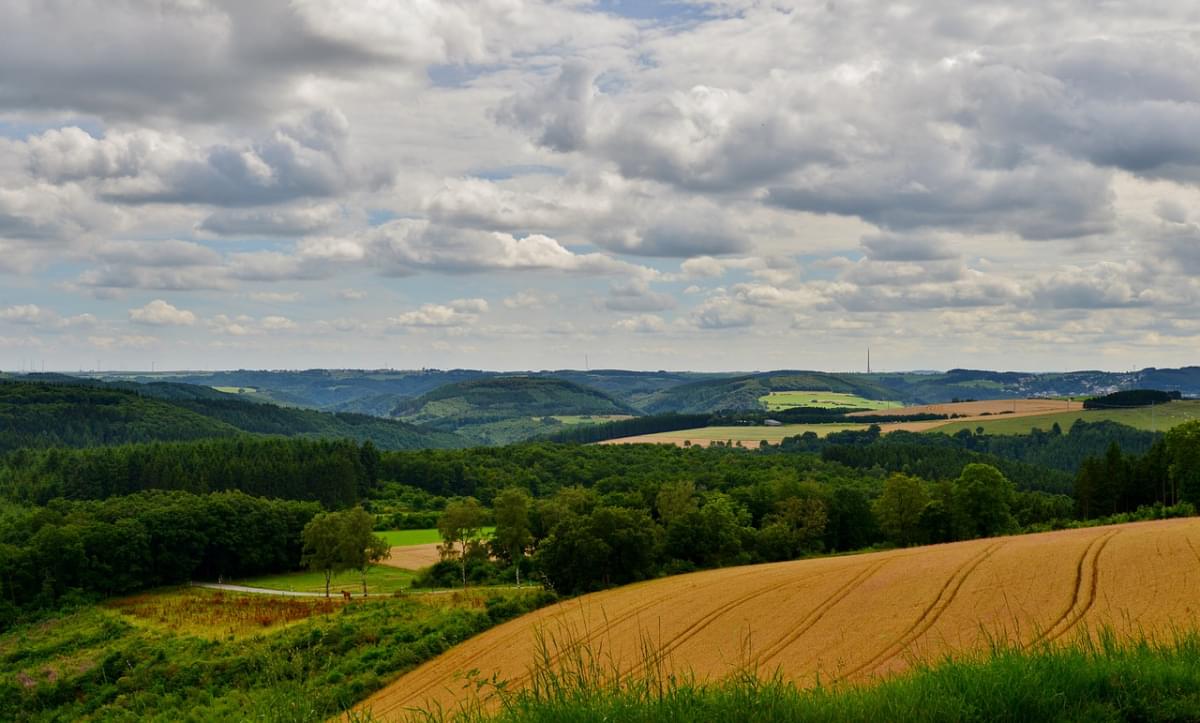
{"x":420,"y":537}
{"x":749,"y":436}
{"x":381,"y":580}
{"x":827,"y":400}
{"x":1158,"y":418}
{"x":849,"y":619}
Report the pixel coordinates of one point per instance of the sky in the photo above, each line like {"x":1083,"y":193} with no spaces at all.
{"x":518,"y":184}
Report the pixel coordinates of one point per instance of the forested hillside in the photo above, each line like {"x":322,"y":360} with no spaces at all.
{"x":507,"y":409}
{"x":80,"y":413}
{"x":743,"y":393}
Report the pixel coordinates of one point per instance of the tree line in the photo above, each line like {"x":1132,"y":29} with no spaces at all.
{"x":580,"y":539}
{"x":123,"y":544}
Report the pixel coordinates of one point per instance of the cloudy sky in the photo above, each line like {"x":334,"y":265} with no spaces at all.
{"x":516,"y":184}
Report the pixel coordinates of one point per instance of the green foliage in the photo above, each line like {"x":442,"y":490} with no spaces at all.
{"x":900,"y":507}
{"x":460,"y":526}
{"x":339,"y":541}
{"x":498,"y":410}
{"x":334,"y":473}
{"x":96,"y":664}
{"x":512,"y":536}
{"x":79,"y":413}
{"x":123,"y":544}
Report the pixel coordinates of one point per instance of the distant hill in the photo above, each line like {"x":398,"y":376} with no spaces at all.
{"x":53,"y":410}
{"x":743,"y":393}
{"x":377,"y":392}
{"x":504,"y":409}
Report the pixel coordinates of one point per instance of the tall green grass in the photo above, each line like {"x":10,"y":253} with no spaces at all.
{"x":1096,"y":678}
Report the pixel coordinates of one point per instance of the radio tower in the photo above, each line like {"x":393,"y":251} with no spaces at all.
{"x":868,"y":360}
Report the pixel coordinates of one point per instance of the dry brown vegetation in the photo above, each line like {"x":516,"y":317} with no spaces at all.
{"x":850,"y":619}
{"x":213,"y":613}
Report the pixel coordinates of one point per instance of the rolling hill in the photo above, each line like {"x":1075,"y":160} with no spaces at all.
{"x":851,"y":618}
{"x":503,"y":409}
{"x":744,"y":392}
{"x":65,"y":411}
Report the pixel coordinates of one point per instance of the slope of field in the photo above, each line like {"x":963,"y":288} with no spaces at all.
{"x":825,"y":400}
{"x":850,"y":619}
{"x":749,"y":436}
{"x":1158,"y":418}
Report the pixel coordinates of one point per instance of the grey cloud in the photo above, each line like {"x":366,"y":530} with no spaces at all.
{"x":556,"y":114}
{"x":169,"y":253}
{"x":271,"y":222}
{"x":1050,"y":199}
{"x":637,"y":296}
{"x":891,"y":247}
{"x":304,"y":160}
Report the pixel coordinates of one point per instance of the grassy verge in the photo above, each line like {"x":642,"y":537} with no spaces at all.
{"x":195,"y":655}
{"x":381,"y":580}
{"x":1094,"y":679}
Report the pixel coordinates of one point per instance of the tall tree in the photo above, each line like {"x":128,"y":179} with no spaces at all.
{"x":361,"y":546}
{"x":459,"y":526}
{"x":513,"y":535}
{"x":982,"y":500}
{"x":899,"y":508}
{"x":323,"y":549}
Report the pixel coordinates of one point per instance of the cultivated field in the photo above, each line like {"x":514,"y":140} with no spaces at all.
{"x":827,"y":400}
{"x":749,"y":436}
{"x":1158,"y":418}
{"x":413,"y":557}
{"x":989,"y":407}
{"x":848,"y":619}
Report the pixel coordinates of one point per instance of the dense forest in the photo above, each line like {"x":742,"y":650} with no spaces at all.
{"x":127,"y":543}
{"x":72,"y":413}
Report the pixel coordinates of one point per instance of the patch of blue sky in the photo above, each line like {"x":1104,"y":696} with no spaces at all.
{"x":18,"y":130}
{"x":504,"y":173}
{"x":666,"y":11}
{"x":457,"y":75}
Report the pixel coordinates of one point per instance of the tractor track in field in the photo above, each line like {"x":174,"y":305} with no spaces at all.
{"x":1093,"y":590}
{"x":814,"y":616}
{"x":930,"y":615}
{"x":1082,"y":568}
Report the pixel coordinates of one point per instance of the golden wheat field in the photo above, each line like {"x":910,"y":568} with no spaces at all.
{"x":849,"y":618}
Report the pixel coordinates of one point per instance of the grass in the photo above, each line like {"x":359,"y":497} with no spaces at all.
{"x":397,"y":538}
{"x":828,"y":400}
{"x":236,"y":390}
{"x":1095,"y":678}
{"x":1161,"y":418}
{"x":169,"y":660}
{"x":381,"y":580}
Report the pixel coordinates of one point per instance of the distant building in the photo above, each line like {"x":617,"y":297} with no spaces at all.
{"x":772,"y":423}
